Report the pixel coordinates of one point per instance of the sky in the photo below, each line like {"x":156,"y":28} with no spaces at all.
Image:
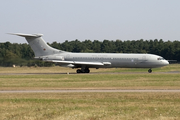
{"x":60,"y":20}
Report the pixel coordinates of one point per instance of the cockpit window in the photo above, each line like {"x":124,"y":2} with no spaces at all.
{"x":160,"y":59}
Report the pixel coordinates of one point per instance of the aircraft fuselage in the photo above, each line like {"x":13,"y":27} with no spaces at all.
{"x":113,"y":60}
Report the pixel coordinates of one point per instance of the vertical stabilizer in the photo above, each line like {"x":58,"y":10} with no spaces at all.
{"x":38,"y":45}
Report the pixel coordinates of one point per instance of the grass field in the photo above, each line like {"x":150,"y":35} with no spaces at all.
{"x":89,"y":106}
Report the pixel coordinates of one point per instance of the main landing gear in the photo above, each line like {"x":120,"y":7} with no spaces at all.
{"x":149,"y":71}
{"x":86,"y":70}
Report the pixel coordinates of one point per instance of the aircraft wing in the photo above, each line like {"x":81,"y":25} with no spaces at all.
{"x":88,"y":63}
{"x":80,"y":63}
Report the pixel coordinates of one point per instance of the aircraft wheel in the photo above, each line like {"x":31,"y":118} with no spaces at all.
{"x":87,"y":70}
{"x":150,"y":71}
{"x":78,"y":71}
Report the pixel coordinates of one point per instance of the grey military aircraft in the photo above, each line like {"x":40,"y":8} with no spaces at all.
{"x":84,"y":61}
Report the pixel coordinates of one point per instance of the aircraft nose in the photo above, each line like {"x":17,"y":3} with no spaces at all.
{"x":166,"y":62}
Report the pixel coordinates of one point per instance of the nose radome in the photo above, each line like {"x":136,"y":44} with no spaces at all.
{"x":166,"y":62}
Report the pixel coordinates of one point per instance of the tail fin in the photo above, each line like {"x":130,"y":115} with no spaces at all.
{"x":38,"y":45}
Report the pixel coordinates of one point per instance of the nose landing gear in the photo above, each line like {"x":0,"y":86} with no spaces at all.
{"x":149,"y":71}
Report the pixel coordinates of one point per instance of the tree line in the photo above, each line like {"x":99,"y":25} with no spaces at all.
{"x":22,"y":54}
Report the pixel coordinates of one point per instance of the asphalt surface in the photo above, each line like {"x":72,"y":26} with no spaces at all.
{"x":89,"y":90}
{"x":170,"y":72}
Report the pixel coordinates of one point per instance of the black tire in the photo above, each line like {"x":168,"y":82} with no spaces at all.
{"x":87,"y":70}
{"x":149,"y":71}
{"x":79,"y":71}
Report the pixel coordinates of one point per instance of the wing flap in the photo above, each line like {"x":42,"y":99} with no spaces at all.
{"x":59,"y":61}
{"x":88,"y":63}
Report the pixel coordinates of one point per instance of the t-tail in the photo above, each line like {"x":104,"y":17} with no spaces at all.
{"x":38,"y":45}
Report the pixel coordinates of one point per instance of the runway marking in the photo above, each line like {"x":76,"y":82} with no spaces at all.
{"x":85,"y":90}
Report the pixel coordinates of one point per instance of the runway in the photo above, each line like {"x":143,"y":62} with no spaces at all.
{"x":93,"y":73}
{"x":91,"y":91}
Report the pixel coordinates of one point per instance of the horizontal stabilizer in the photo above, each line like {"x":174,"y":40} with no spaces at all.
{"x":26,"y":35}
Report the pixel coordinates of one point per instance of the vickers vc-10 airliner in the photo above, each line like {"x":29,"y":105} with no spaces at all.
{"x":84,"y":61}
